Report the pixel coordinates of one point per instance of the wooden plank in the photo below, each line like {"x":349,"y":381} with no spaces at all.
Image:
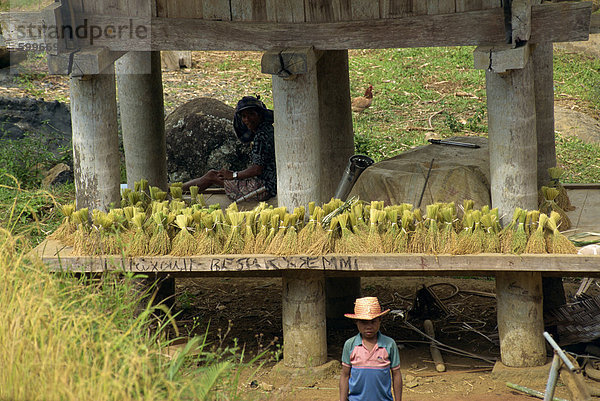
{"x":285,"y":10}
{"x":93,"y":61}
{"x":487,"y":4}
{"x":58,"y":256}
{"x":319,"y":11}
{"x":595,"y":24}
{"x":241,"y":10}
{"x":419,"y":7}
{"x":468,"y":5}
{"x":216,"y":10}
{"x":141,"y":8}
{"x":342,"y":10}
{"x":560,"y":22}
{"x":161,"y":8}
{"x":364,"y":9}
{"x":521,"y":20}
{"x":395,"y":8}
{"x":440,"y":7}
{"x":554,"y":22}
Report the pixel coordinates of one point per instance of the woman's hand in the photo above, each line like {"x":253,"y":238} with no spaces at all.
{"x":225,"y":174}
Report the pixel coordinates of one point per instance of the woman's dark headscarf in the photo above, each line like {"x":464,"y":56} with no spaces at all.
{"x":249,"y":102}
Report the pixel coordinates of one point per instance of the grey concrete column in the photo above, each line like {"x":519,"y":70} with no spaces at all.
{"x":297,"y":141}
{"x":513,"y":168}
{"x":95,"y":140}
{"x":544,"y":110}
{"x":139,"y":83}
{"x":337,"y":145}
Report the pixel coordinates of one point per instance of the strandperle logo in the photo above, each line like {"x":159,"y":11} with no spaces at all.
{"x":33,"y":35}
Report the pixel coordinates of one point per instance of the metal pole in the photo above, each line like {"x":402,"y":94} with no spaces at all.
{"x":560,"y":352}
{"x":552,"y":378}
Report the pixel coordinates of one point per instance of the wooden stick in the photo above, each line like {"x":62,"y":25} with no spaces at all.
{"x":530,"y":391}
{"x":435,"y":352}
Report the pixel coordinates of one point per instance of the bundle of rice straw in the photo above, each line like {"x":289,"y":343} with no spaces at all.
{"x":106,"y":228}
{"x":184,"y":243}
{"x":274,"y":227}
{"x":289,"y":243}
{"x":373,"y":242}
{"x":205,"y":236}
{"x":507,"y":233}
{"x":250,"y":231}
{"x":562,"y":199}
{"x":403,"y":237}
{"x":519,"y":239}
{"x":277,"y":240}
{"x":557,"y":242}
{"x":322,"y":238}
{"x":64,"y":232}
{"x":343,"y":245}
{"x":465,"y":242}
{"x":160,"y":242}
{"x":549,"y":205}
{"x":156,"y":194}
{"x":432,"y":240}
{"x":388,"y":238}
{"x":491,"y":243}
{"x":176,"y":192}
{"x":419,"y":236}
{"x":235,"y":241}
{"x":537,"y":240}
{"x":263,"y":231}
{"x":84,"y":238}
{"x":138,"y":245}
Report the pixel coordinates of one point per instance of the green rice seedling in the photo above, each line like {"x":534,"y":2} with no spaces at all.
{"x":549,"y":205}
{"x":418,"y":239}
{"x":519,"y":239}
{"x":448,"y":237}
{"x":176,"y":192}
{"x":138,"y":246}
{"x":205,"y":235}
{"x":373,"y":242}
{"x":160,"y":242}
{"x":235,"y":241}
{"x":289,"y":244}
{"x":537,"y":240}
{"x":403,"y":237}
{"x":64,"y":232}
{"x":491,"y":243}
{"x":557,"y":242}
{"x":465,"y":242}
{"x":343,"y":244}
{"x":264,"y":220}
{"x":388,"y":239}
{"x":184,"y":243}
{"x":507,"y":233}
{"x":432,"y":239}
{"x":193,"y":194}
{"x":562,"y":199}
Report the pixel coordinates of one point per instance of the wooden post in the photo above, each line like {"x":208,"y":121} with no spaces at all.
{"x":513,"y":170}
{"x":142,"y":117}
{"x":95,"y":140}
{"x":297,"y":141}
{"x":337,"y":145}
{"x":544,"y":110}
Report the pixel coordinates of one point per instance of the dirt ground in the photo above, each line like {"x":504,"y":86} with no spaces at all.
{"x":249,"y":310}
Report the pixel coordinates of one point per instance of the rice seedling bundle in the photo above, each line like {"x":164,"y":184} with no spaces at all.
{"x":557,"y":242}
{"x":448,"y":236}
{"x":160,"y":242}
{"x":388,"y":239}
{"x":344,"y":244}
{"x":64,"y":232}
{"x":184,"y":243}
{"x":562,"y":199}
{"x":289,"y":243}
{"x":138,"y":245}
{"x":507,"y":233}
{"x":537,"y":240}
{"x":519,"y":239}
{"x":465,"y":243}
{"x":491,"y":243}
{"x":432,"y":240}
{"x":549,"y":205}
{"x":249,"y":231}
{"x":403,"y":237}
{"x":277,"y":241}
{"x":235,"y":241}
{"x":418,"y":238}
{"x":275,"y":220}
{"x":373,"y":242}
{"x":264,"y":219}
{"x":319,"y":239}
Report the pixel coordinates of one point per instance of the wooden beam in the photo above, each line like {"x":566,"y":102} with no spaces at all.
{"x":500,"y":58}
{"x":92,"y":61}
{"x":595,"y":23}
{"x":60,"y":257}
{"x":554,"y":22}
{"x":521,"y":20}
{"x":287,"y":62}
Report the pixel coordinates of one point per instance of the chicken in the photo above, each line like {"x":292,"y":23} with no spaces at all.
{"x":359,"y":104}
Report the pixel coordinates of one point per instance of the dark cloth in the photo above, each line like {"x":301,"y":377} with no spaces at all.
{"x":263,"y":154}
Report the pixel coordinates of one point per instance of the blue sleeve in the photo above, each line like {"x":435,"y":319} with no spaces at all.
{"x":347,"y":351}
{"x":394,"y":355}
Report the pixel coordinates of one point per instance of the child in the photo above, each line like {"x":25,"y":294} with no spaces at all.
{"x":369,"y":358}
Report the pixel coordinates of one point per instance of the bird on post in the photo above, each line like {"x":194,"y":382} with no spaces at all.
{"x":359,"y":104}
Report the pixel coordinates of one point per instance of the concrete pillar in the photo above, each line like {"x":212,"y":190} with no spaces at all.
{"x":139,"y":82}
{"x":95,"y":140}
{"x":513,"y":168}
{"x":337,"y":145}
{"x":297,"y":140}
{"x":544,"y":110}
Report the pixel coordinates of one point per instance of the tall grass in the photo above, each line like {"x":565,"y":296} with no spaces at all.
{"x":63,"y":338}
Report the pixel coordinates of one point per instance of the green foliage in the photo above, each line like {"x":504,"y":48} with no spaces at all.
{"x":27,"y":158}
{"x":579,"y":159}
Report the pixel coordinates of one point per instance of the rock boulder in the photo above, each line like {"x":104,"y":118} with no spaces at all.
{"x":200,"y":137}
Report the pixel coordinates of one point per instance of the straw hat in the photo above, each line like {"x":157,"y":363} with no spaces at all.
{"x":366,"y":308}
